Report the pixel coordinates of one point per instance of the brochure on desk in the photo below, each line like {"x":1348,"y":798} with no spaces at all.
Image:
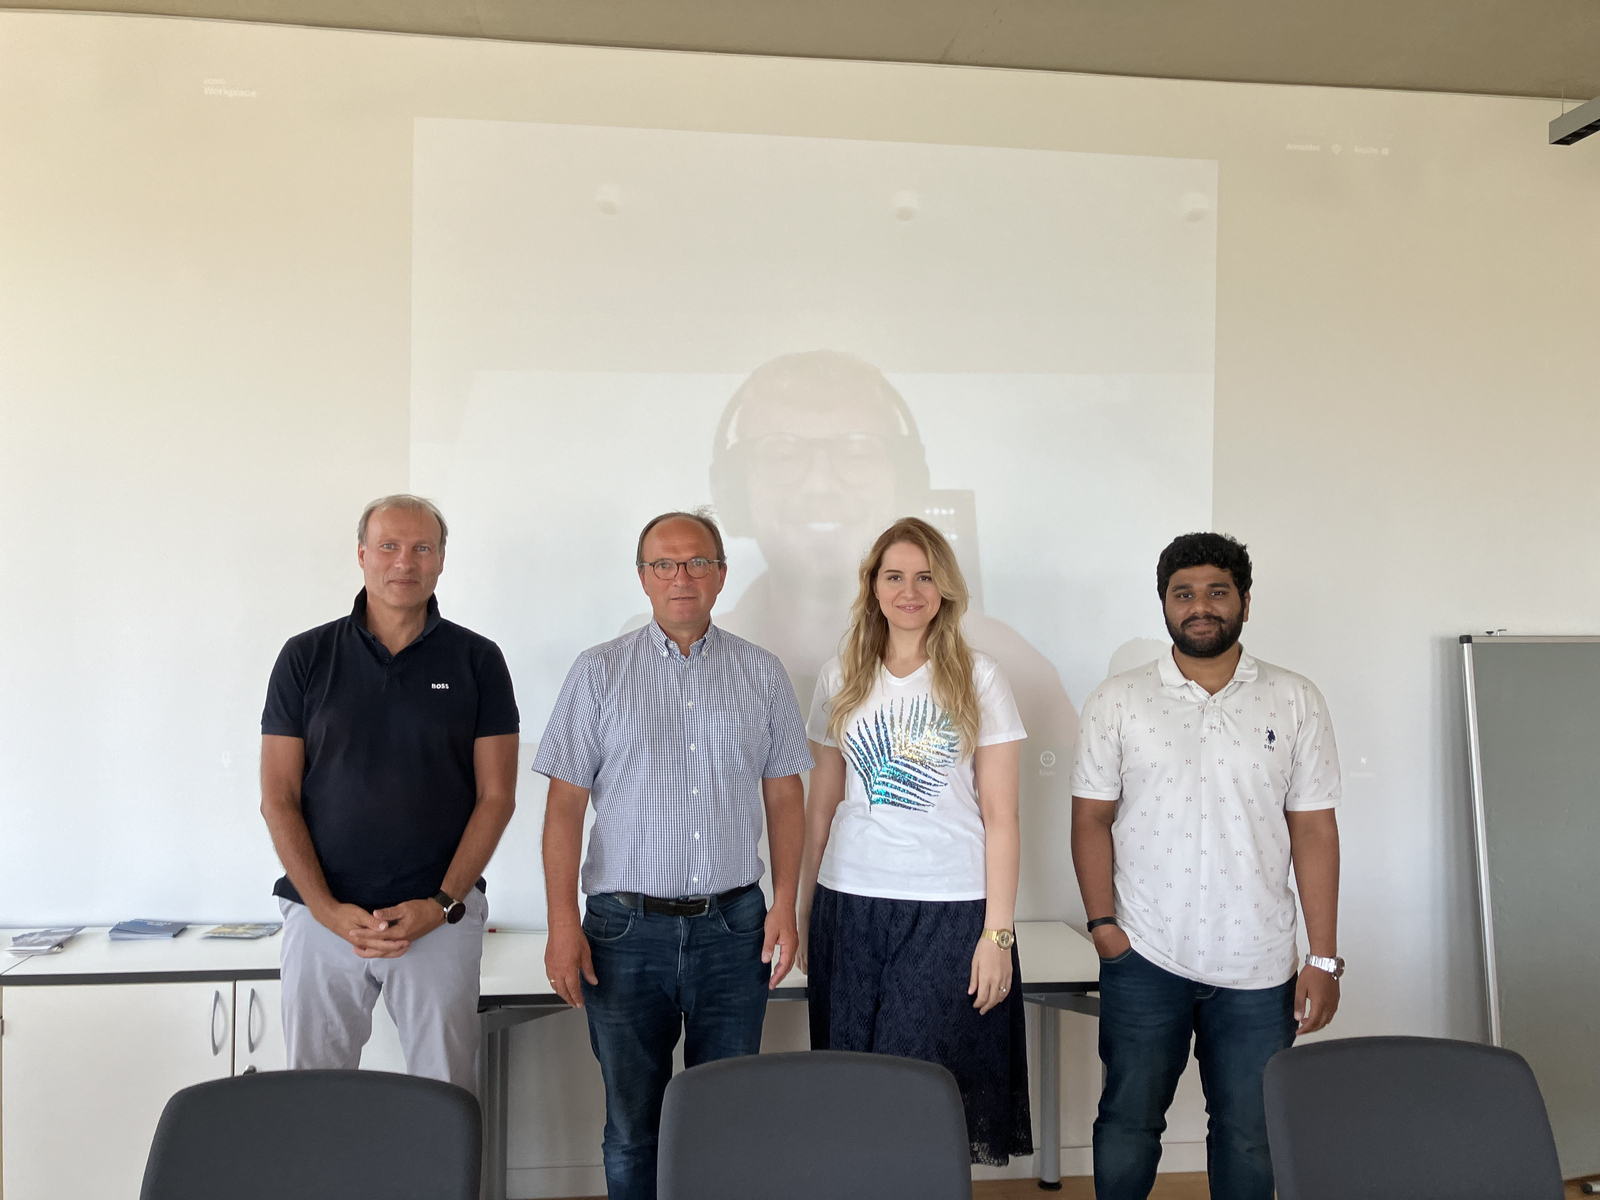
{"x":42,"y":941}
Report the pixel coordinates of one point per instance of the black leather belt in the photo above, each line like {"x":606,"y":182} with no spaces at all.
{"x":686,"y":906}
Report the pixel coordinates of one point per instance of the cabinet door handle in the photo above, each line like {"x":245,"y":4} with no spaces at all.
{"x":250,"y":1022}
{"x":216,"y":1008}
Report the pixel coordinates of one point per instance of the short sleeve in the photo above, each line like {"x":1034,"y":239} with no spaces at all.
{"x":285,"y":713}
{"x":828,"y":683}
{"x":1097,"y":764}
{"x":998,"y":718}
{"x":570,"y":749}
{"x":788,"y":753}
{"x":497,"y":701}
{"x":1314,"y":780}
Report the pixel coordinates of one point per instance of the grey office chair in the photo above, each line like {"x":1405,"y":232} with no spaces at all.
{"x":317,"y":1135}
{"x":815,"y":1125}
{"x":1408,"y":1118}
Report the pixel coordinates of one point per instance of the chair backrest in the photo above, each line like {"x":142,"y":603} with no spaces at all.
{"x":811,"y":1125}
{"x":1408,"y":1118}
{"x":317,"y":1135}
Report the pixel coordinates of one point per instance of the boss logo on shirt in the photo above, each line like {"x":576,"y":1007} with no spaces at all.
{"x":441,"y":687}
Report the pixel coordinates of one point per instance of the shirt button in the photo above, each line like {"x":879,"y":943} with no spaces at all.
{"x":695,"y":791}
{"x":697,"y":835}
{"x":696,"y":879}
{"x":663,"y":654}
{"x":691,"y":704}
{"x":691,"y":745}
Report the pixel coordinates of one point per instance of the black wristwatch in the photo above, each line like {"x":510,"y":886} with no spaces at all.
{"x":454,"y":910}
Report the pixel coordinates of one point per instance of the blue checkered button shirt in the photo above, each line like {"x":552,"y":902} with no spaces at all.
{"x":673,"y":749}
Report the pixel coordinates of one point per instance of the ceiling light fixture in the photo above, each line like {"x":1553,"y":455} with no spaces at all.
{"x":1576,"y":125}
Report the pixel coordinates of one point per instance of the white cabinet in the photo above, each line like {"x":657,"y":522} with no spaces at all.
{"x":257,"y":1027}
{"x":85,"y":1072}
{"x":258,"y":1032}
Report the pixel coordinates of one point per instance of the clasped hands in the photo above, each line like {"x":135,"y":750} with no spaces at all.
{"x":386,"y":932}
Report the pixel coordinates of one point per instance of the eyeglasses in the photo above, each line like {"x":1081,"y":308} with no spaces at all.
{"x":667,"y":568}
{"x":856,"y":458}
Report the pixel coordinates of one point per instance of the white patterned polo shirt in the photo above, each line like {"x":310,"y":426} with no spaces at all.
{"x":1200,"y":843}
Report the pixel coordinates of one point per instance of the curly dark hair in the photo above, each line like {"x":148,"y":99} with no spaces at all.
{"x":1204,"y":550}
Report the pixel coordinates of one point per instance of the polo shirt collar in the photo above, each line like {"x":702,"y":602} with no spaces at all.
{"x":1245,"y":672}
{"x":660,"y":640}
{"x":358,"y":615}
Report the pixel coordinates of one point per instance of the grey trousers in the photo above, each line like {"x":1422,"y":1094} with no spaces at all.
{"x":431,"y":991}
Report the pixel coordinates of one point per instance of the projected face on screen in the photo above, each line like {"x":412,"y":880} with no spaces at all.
{"x":814,"y":456}
{"x":807,"y":462}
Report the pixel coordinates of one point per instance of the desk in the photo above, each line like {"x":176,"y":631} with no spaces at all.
{"x":1059,"y":971}
{"x":92,"y":957}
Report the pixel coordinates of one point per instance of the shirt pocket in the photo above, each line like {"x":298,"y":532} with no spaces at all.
{"x":739,"y":739}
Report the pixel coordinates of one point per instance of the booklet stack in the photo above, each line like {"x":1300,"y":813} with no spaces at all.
{"x":42,"y":941}
{"x":245,"y":933}
{"x":141,"y":931}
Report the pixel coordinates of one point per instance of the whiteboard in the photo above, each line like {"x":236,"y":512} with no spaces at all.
{"x":1533,"y":725}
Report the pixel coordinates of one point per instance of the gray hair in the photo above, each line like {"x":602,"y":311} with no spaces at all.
{"x":408,"y":503}
{"x":703,"y":516}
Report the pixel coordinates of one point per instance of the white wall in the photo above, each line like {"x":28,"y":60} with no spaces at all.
{"x":204,"y":341}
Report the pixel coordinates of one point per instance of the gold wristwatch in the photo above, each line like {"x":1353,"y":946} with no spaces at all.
{"x":1003,"y":938}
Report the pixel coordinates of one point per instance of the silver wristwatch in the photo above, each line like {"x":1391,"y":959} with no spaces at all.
{"x":1333,"y":966}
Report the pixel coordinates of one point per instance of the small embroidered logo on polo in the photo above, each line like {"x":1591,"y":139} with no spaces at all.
{"x":441,"y":687}
{"x":1272,"y":739}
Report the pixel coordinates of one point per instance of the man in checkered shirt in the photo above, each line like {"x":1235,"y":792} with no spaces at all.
{"x":680,"y":734}
{"x":1200,"y":778}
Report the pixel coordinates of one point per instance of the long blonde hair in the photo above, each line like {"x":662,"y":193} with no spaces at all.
{"x":868,"y":638}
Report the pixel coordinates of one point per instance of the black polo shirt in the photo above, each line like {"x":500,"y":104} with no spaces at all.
{"x":389,"y":783}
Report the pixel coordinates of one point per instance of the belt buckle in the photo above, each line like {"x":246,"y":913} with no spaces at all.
{"x":704,"y":903}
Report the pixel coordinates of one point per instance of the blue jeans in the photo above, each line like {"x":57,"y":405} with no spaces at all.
{"x":659,"y":976}
{"x":1147,"y":1017}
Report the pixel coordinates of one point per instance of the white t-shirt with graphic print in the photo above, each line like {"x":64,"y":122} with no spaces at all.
{"x":1200,"y":843}
{"x":909,"y":827}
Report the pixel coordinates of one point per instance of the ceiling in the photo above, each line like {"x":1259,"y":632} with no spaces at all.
{"x":1496,"y":47}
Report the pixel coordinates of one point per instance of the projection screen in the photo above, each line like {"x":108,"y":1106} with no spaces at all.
{"x":814,"y":336}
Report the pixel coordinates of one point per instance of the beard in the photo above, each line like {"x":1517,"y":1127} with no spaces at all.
{"x":1218,"y":638}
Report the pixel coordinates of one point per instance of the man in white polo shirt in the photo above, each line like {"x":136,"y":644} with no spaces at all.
{"x":1200,"y":778}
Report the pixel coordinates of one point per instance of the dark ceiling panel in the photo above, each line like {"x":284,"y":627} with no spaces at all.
{"x":1495,"y":47}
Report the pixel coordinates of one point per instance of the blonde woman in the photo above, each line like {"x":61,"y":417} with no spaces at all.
{"x":909,"y":878}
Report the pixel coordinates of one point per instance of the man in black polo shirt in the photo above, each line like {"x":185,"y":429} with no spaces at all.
{"x":388,"y":773}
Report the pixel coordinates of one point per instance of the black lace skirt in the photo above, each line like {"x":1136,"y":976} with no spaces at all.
{"x":891,"y":976}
